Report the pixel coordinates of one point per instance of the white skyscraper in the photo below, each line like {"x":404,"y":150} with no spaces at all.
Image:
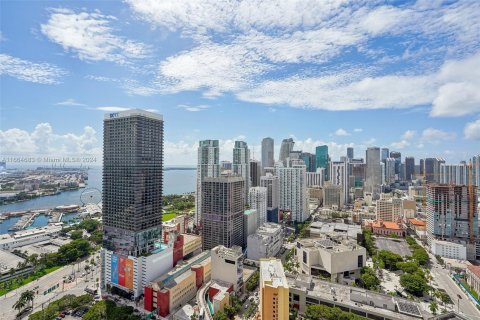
{"x":257,"y":198}
{"x":241,"y":163}
{"x":453,"y":173}
{"x":271,"y":182}
{"x":293,"y":188}
{"x":339,"y":177}
{"x":316,"y":178}
{"x":268,"y":156}
{"x":208,"y":166}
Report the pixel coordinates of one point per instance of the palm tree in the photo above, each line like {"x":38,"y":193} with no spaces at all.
{"x":28,"y":296}
{"x":433,"y":307}
{"x":19,"y":305}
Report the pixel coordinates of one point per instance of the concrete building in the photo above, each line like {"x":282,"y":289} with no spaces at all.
{"x":332,"y":196}
{"x":225,"y":165}
{"x":386,"y":228}
{"x":227,"y":265}
{"x":316,"y":178}
{"x":132,"y":203}
{"x":452,"y":212}
{"x":257,"y":199}
{"x":273,"y":291}
{"x":339,"y":177}
{"x":398,"y":160}
{"x":223,"y":203}
{"x":373,"y":174}
{"x":432,"y":169}
{"x":293,"y":189}
{"x":320,"y":229}
{"x":241,"y":164}
{"x":250,"y":223}
{"x":10,"y":241}
{"x":175,"y":288}
{"x":268,"y":155}
{"x":475,"y":165}
{"x":449,"y":249}
{"x":453,"y":174}
{"x":390,"y":170}
{"x":255,"y":172}
{"x":389,"y":209}
{"x":285,"y":149}
{"x":272,"y":184}
{"x":472,"y":275}
{"x":266,"y":242}
{"x":385,"y":153}
{"x":208,"y":166}
{"x":341,"y":261}
{"x":322,"y":160}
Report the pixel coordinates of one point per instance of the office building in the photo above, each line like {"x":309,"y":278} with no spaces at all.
{"x":132,"y":181}
{"x":350,"y":153}
{"x":227,"y":265}
{"x":341,"y":261}
{"x":398,"y":160}
{"x":474,"y":163}
{"x":453,"y":174}
{"x":274,"y":297}
{"x":293,"y":189}
{"x":333,"y":196}
{"x":310,"y":161}
{"x":422,"y":167}
{"x":385,"y":153}
{"x":432,"y":169}
{"x":339,"y":177}
{"x":389,"y":209}
{"x":250,"y":224}
{"x":285,"y":149}
{"x":223,"y":203}
{"x":241,"y":163}
{"x":268,"y":155}
{"x":255,"y":173}
{"x":316,"y":178}
{"x":472,"y":275}
{"x":257,"y":199}
{"x":226,"y":165}
{"x":389,"y":170}
{"x":409,"y":168}
{"x":208,"y":166}
{"x":272,"y":184}
{"x":266,"y":242}
{"x":322,"y":160}
{"x":373,"y":174}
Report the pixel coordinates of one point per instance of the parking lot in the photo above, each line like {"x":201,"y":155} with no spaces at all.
{"x":399,"y":246}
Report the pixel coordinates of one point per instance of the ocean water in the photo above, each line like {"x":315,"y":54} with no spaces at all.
{"x":175,"y":182}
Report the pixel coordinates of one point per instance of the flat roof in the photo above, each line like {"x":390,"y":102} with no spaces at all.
{"x":272,"y":271}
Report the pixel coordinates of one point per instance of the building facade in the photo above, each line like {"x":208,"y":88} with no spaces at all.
{"x":293,"y":189}
{"x":257,"y":199}
{"x":285,"y":149}
{"x":208,"y":166}
{"x":241,"y":164}
{"x":273,"y":291}
{"x":268,"y":155}
{"x":322,"y":160}
{"x":266,"y":242}
{"x":255,"y":173}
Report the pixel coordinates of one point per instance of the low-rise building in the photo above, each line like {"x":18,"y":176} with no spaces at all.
{"x":25,"y":237}
{"x":266,"y":242}
{"x":449,"y":249}
{"x":319,"y":229}
{"x":227,"y":265}
{"x":173,"y":289}
{"x":340,"y":261}
{"x":473,"y":277}
{"x":219,"y":295}
{"x":273,"y":290}
{"x":385,"y":228}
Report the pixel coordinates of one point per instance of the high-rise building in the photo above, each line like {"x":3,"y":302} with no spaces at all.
{"x":227,"y":265}
{"x":422,"y":166}
{"x":390,"y":170}
{"x":316,"y":178}
{"x":333,"y":196}
{"x":398,"y":160}
{"x":226,"y":165}
{"x":350,"y":153}
{"x":409,"y":168}
{"x":373,"y":174}
{"x":432,"y":169}
{"x":310,"y":162}
{"x":453,"y":174}
{"x":293,"y":189}
{"x":241,"y":163}
{"x":132,"y":181}
{"x":272,"y":184}
{"x":268,"y":155}
{"x":257,"y":199}
{"x":322,"y":160}
{"x":274,"y":297}
{"x":475,"y":170}
{"x":208,"y":165}
{"x":339,"y":177}
{"x":285,"y":149}
{"x":223,"y":205}
{"x":385,"y":153}
{"x":452,"y":212}
{"x":255,"y":172}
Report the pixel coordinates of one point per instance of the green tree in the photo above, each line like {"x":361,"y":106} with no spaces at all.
{"x":413,"y":283}
{"x":408,"y":266}
{"x":433,"y":307}
{"x":219,"y":315}
{"x":389,"y":259}
{"x":252,"y":283}
{"x":20,"y":304}
{"x":76,"y":234}
{"x":28,"y":296}
{"x":369,"y":278}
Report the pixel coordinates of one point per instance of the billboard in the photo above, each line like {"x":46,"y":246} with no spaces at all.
{"x":122,"y":271}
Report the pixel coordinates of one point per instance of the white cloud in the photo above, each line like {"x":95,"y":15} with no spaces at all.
{"x":400,"y":144}
{"x":409,"y":134}
{"x":90,"y":36}
{"x":435,"y":136}
{"x":193,"y":108}
{"x":335,"y":150}
{"x":43,"y":73}
{"x":472,"y":130}
{"x":43,"y":140}
{"x":358,"y":130}
{"x":406,"y":138}
{"x":341,"y":132}
{"x":71,"y":102}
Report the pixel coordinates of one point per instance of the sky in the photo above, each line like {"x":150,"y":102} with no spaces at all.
{"x":398,"y":74}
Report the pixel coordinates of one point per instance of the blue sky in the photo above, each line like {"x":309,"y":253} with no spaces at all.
{"x":398,"y":74}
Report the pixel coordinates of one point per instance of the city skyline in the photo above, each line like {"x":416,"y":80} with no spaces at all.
{"x":395,"y":68}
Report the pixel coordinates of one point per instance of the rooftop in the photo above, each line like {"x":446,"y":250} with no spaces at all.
{"x":474,"y":269}
{"x":416,"y":222}
{"x":387,"y":225}
{"x":330,"y":245}
{"x":233,"y":253}
{"x":271,"y":270}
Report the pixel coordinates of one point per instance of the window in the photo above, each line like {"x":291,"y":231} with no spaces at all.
{"x":360,"y":261}
{"x":304,"y":257}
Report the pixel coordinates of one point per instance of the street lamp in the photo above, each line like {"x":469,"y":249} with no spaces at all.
{"x":458,"y":303}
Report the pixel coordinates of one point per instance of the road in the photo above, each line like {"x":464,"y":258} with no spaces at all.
{"x":201,"y":300}
{"x":76,"y":287}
